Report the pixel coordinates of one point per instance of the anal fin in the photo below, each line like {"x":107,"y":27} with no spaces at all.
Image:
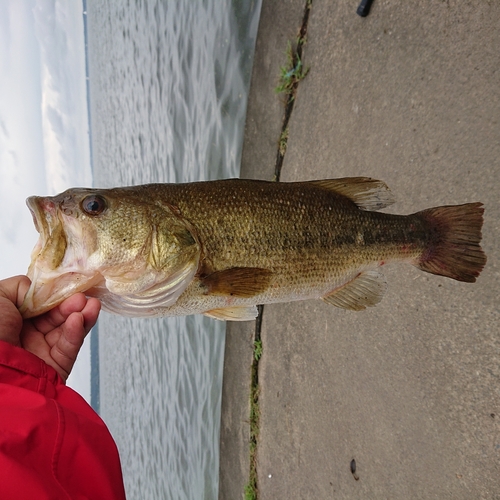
{"x":236,"y":313}
{"x":365,"y":290}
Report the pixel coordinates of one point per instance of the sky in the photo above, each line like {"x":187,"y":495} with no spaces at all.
{"x":44,"y":128}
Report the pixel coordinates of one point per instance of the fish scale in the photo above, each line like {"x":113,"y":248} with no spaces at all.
{"x":292,"y":239}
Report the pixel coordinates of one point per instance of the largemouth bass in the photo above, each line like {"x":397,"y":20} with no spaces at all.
{"x":222,"y":247}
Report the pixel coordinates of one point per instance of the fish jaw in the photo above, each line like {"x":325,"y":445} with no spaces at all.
{"x":48,"y":290}
{"x":57,"y":266}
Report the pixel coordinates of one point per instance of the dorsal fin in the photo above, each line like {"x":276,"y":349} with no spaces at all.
{"x":367,"y":193}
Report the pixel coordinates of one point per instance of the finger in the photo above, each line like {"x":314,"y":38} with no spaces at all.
{"x":58,"y":348}
{"x":34,"y":342}
{"x":15,"y":288}
{"x":12,"y":292}
{"x":65,"y":350}
{"x":91,"y":313}
{"x":71,"y":334}
{"x":57,"y":316}
{"x":49,"y":324}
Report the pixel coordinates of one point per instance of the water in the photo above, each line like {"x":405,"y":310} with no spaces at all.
{"x":168,"y":89}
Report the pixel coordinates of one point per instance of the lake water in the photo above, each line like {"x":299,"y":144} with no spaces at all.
{"x":168,"y":88}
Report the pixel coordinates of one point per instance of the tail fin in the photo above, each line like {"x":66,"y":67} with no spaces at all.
{"x":455,"y":234}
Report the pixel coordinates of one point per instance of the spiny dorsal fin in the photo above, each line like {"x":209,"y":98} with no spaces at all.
{"x":236,"y":313}
{"x":241,"y":282}
{"x":366,"y":290}
{"x":367,"y":193}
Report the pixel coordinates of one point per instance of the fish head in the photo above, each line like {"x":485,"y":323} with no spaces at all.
{"x":119,"y":245}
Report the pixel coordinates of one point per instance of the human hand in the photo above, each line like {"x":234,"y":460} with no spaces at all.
{"x":56,"y":336}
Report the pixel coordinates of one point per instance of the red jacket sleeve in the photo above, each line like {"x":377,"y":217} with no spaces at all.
{"x":52,"y":444}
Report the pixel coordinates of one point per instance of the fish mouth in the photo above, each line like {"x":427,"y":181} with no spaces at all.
{"x":53,"y":276}
{"x":51,"y":241}
{"x":34,"y":215}
{"x":39,"y":221}
{"x":47,"y":292}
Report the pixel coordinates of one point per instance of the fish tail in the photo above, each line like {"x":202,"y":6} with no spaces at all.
{"x":454,"y":249}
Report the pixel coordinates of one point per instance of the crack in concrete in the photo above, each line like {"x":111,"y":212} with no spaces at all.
{"x":290,"y":95}
{"x":251,"y":489}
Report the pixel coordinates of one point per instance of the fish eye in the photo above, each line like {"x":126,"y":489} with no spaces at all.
{"x":93,"y":204}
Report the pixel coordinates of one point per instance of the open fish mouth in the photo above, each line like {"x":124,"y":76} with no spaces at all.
{"x":52,"y":279}
{"x":40,"y":224}
{"x":51,"y":246}
{"x":32,"y":208}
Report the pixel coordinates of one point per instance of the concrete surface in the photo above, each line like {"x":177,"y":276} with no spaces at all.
{"x":411,"y":388}
{"x":279,"y":23}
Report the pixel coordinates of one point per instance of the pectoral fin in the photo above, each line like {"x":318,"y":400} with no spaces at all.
{"x":366,"y":290}
{"x":242,"y":282}
{"x":240,"y":313}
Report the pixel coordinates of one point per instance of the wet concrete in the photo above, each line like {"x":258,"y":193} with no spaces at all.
{"x":410,"y":389}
